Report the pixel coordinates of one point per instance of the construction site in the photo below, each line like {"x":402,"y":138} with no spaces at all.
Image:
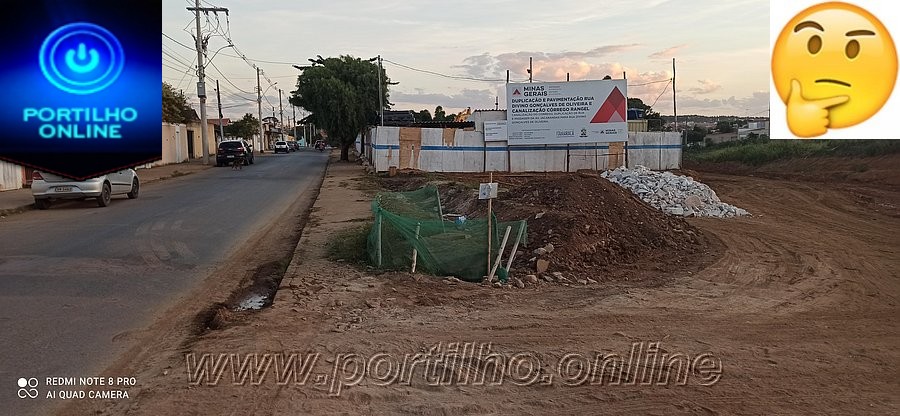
{"x":765,"y":291}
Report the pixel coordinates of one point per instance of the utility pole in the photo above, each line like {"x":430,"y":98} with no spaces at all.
{"x":675,"y":111}
{"x":259,"y":108}
{"x":530,"y":70}
{"x":674,"y":103}
{"x":219,"y":100}
{"x":294,"y":125}
{"x":380,"y":93}
{"x":281,"y":110}
{"x":201,"y":84}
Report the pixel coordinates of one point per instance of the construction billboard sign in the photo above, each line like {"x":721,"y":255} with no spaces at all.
{"x":567,"y":112}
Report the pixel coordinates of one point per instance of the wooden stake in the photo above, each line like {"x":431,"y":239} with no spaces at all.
{"x":515,"y":246}
{"x":490,"y":207}
{"x":440,"y":211}
{"x":415,"y":254}
{"x":499,"y":254}
{"x":378,"y":237}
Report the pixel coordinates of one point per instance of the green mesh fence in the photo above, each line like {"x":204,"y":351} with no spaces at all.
{"x":413,"y":220}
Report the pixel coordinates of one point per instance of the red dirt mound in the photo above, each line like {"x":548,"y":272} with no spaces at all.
{"x":596,"y":228}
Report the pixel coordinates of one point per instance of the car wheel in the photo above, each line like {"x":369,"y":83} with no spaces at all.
{"x":105,"y":195}
{"x":135,"y":189}
{"x":42,"y":203}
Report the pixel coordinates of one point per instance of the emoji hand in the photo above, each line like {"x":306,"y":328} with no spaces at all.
{"x":809,"y":118}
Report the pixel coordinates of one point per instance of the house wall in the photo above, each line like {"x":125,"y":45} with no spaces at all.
{"x":11,"y":176}
{"x":198,"y":139}
{"x":455,"y":150}
{"x":174,"y":144}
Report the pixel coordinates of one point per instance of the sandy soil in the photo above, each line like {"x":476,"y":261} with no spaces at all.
{"x":799,"y":312}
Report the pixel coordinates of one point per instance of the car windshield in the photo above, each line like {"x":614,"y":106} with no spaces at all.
{"x":229,"y":145}
{"x":280,"y":143}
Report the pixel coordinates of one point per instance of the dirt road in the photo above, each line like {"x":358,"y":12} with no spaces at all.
{"x":798,"y":314}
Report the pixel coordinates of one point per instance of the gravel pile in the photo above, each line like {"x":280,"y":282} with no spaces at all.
{"x":673,"y":194}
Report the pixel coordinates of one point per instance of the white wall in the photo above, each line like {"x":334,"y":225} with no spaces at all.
{"x":10,"y":176}
{"x":174,"y":144}
{"x":429,"y":150}
{"x":655,"y":150}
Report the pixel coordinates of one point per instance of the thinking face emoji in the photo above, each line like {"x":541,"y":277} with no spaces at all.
{"x":834,"y":65}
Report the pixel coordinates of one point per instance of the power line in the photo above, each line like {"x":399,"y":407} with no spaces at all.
{"x":651,"y":82}
{"x":173,"y":51}
{"x":661,"y":94}
{"x":458,"y":77}
{"x":176,"y":41}
{"x":225,"y":89}
{"x":177,"y":60}
{"x":261,"y":60}
{"x":226,"y":79}
{"x":171,"y":67}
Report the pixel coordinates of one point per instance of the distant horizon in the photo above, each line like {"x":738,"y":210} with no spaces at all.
{"x":721,"y":49}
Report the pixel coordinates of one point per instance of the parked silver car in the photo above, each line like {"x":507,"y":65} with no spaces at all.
{"x":282,"y":146}
{"x":47,"y":187}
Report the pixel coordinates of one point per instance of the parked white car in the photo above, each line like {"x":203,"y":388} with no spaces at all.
{"x":282,"y":146}
{"x":47,"y":187}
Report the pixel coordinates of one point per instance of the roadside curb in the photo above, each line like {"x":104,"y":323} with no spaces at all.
{"x":297,"y":258}
{"x":10,"y":211}
{"x":306,"y":225}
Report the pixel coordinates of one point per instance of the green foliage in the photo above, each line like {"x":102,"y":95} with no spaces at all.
{"x":342,"y":95}
{"x":349,"y":245}
{"x":696,"y":134}
{"x":761,"y":150}
{"x":725,"y":127}
{"x":638,"y":103}
{"x":423,"y":115}
{"x":175,"y":108}
{"x":439,"y":114}
{"x":654,"y":120}
{"x":244,"y":128}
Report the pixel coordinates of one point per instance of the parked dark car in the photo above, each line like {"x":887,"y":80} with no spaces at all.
{"x":229,"y":150}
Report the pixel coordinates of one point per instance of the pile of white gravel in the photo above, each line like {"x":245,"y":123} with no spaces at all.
{"x":673,"y":194}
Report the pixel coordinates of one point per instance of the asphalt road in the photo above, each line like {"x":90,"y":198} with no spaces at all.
{"x":74,"y":277}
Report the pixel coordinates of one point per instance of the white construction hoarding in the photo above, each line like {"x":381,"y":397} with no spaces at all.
{"x":567,"y":112}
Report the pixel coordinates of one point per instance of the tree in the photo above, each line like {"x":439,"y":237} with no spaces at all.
{"x":175,"y":108}
{"x":245,"y":128}
{"x":439,"y":114}
{"x":725,"y":127}
{"x":342,"y":95}
{"x":423,"y":115}
{"x":654,"y":120}
{"x":696,"y":134}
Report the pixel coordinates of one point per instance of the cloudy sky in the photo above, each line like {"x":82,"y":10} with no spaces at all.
{"x":456,"y":53}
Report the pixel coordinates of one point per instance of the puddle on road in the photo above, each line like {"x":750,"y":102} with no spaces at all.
{"x":253,"y":302}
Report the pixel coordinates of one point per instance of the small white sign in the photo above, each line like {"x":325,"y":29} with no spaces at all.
{"x":487,"y":191}
{"x":495,"y":131}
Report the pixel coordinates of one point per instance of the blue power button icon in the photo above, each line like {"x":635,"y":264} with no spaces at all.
{"x":81,"y":58}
